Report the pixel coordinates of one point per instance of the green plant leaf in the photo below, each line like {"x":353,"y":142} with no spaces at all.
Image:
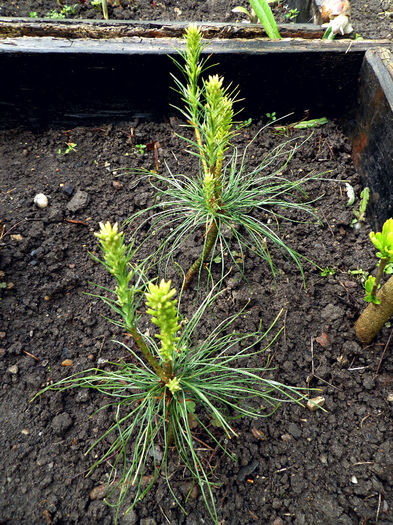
{"x":313,"y":123}
{"x":266,"y":17}
{"x":368,"y":287}
{"x":383,"y":241}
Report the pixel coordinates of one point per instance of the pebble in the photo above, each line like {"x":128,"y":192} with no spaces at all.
{"x":294,"y":430}
{"x":332,"y":313}
{"x":61,"y":423}
{"x":258,"y":434}
{"x":155,"y":453}
{"x":354,"y":480}
{"x":129,"y":518}
{"x":78,"y":201}
{"x":67,"y":362}
{"x":41,"y":200}
{"x":117,"y":184}
{"x":98,"y":492}
{"x":368,"y":383}
{"x":278,"y":521}
{"x":390,"y":397}
{"x":247,"y":470}
{"x":68,"y":190}
{"x":16,"y":237}
{"x":13,"y":369}
{"x":315,"y":403}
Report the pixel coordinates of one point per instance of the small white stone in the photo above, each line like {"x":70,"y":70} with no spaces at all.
{"x":13,"y":369}
{"x":390,"y":397}
{"x":354,"y":480}
{"x":41,"y":200}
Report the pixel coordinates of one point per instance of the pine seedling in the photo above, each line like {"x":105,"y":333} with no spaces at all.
{"x":224,"y":196}
{"x":172,"y":379}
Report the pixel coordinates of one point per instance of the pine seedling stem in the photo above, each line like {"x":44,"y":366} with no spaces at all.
{"x":211,"y":238}
{"x":138,"y":339}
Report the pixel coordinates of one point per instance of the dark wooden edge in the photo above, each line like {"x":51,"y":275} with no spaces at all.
{"x":48,"y":45}
{"x":99,"y":29}
{"x":372,"y":133}
{"x":61,"y":82}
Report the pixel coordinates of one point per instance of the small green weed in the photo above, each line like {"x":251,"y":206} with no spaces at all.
{"x":271,"y":117}
{"x":71,"y":148}
{"x":360,"y":213}
{"x":141,"y":148}
{"x":292,"y":14}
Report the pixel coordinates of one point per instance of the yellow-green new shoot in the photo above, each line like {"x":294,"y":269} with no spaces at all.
{"x":163,"y":311}
{"x":383,"y":242}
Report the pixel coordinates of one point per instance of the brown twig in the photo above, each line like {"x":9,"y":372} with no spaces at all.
{"x":30,"y":355}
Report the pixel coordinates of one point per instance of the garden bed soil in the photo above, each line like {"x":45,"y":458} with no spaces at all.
{"x":371,"y":20}
{"x":295,"y":467}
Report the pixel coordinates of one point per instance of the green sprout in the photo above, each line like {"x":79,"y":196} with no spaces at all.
{"x":371,"y":287}
{"x":383,"y":242}
{"x":141,"y":148}
{"x":224,"y":195}
{"x":33,"y":14}
{"x":360,"y":214}
{"x":292,"y":14}
{"x":166,"y":386}
{"x":374,"y":317}
{"x":65,"y":11}
{"x":54,"y":14}
{"x":252,"y":17}
{"x":327,"y":271}
{"x":271,"y":117}
{"x":71,"y":147}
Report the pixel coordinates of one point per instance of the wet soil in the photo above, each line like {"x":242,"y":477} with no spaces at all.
{"x":295,"y":467}
{"x":372,"y":20}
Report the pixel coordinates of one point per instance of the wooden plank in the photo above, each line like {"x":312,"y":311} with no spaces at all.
{"x":100,"y":29}
{"x":372,"y":133}
{"x":59,"y":82}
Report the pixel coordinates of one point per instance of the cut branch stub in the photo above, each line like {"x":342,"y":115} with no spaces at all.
{"x":375,"y":316}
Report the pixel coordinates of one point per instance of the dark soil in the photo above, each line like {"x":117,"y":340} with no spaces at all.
{"x":370,"y":20}
{"x":302,"y":467}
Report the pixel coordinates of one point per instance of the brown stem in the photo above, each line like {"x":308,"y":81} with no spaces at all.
{"x":168,"y":370}
{"x":211,"y":237}
{"x":148,"y":355}
{"x":378,"y":277}
{"x":375,"y":316}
